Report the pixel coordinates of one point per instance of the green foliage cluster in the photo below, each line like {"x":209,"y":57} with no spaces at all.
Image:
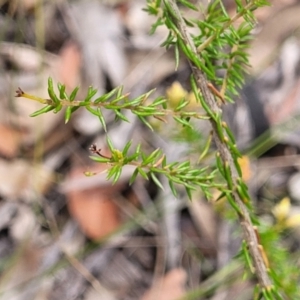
{"x":220,"y":41}
{"x":156,"y":163}
{"x":218,"y":50}
{"x":151,"y":165}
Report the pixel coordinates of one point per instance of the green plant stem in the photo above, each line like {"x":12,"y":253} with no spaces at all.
{"x":181,"y":175}
{"x":157,"y":112}
{"x":224,"y":149}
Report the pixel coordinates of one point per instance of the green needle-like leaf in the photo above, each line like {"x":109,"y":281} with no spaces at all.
{"x":101,"y":118}
{"x":68,"y":114}
{"x":126,"y":148}
{"x":42,"y":110}
{"x":156,"y":181}
{"x":74,"y":93}
{"x":133,"y":176}
{"x":110,"y":145}
{"x":51,"y":92}
{"x":100,"y":159}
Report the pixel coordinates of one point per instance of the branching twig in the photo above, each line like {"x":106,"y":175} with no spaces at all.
{"x":140,"y":109}
{"x":225,"y":153}
{"x":249,"y":6}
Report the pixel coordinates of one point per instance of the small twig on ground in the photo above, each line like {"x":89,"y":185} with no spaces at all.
{"x":77,"y":265}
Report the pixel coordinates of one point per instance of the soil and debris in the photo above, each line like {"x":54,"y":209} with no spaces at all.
{"x":64,"y":235}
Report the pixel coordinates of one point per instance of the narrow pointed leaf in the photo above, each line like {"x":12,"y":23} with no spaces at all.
{"x":68,"y":114}
{"x":110,"y":145}
{"x":74,"y":93}
{"x":156,"y":181}
{"x":133,"y":176}
{"x":101,"y":118}
{"x":42,"y":110}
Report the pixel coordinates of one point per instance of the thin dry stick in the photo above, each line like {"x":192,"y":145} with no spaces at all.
{"x":244,"y":218}
{"x":77,"y":265}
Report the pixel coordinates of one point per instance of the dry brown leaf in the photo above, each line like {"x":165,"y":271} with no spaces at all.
{"x":170,"y":287}
{"x":9,"y":141}
{"x":24,"y":224}
{"x":22,"y":178}
{"x":93,"y":208}
{"x":25,"y":265}
{"x":68,"y":65}
{"x":204,"y":219}
{"x":265,"y":45}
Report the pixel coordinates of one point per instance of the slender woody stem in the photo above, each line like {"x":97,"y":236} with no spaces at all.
{"x":225,"y":153}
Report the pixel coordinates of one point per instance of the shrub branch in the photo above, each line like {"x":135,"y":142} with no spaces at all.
{"x":225,"y":151}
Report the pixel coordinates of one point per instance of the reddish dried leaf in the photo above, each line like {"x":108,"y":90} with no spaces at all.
{"x":171,"y":287}
{"x":69,"y":64}
{"x":94,"y":209}
{"x":9,"y":141}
